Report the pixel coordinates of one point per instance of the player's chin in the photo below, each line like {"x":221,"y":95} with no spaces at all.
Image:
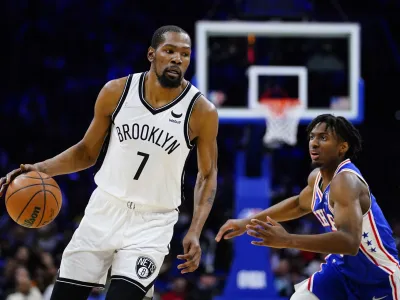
{"x":316,"y":163}
{"x":171,"y":81}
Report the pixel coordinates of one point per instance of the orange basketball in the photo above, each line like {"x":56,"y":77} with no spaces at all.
{"x":33,"y":199}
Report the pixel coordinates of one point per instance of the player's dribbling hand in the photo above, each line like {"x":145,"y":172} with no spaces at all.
{"x":272,"y":234}
{"x":192,"y":253}
{"x":5,"y":181}
{"x":236,"y":227}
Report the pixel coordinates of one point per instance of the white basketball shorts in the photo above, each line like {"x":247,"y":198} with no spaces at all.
{"x":132,"y":240}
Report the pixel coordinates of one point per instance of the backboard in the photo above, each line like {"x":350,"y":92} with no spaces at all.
{"x":318,"y":63}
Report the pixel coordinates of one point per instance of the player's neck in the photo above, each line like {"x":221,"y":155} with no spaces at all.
{"x":156,"y":94}
{"x":328,"y":171}
{"x":327,"y":174}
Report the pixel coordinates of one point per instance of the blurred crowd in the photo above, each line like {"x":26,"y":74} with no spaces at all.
{"x":58,"y":57}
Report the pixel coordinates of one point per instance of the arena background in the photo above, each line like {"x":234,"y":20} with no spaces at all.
{"x":58,"y":54}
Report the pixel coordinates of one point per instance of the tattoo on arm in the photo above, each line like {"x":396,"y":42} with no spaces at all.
{"x":210,"y":200}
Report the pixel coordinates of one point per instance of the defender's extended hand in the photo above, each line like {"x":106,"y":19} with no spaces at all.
{"x":272,"y":234}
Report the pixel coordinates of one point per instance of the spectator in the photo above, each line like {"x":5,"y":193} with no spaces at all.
{"x":24,"y":289}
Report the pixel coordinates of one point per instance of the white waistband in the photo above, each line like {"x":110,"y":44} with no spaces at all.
{"x":131,"y":205}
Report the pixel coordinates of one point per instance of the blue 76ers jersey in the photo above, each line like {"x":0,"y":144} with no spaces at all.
{"x":377,"y":256}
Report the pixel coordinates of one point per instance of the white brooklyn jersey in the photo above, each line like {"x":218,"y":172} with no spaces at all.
{"x":146,"y":150}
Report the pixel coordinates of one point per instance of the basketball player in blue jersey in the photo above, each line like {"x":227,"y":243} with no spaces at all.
{"x":362,"y":261}
{"x":143,"y":129}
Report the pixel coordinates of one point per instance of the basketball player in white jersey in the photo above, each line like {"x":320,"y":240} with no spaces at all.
{"x":143,"y":129}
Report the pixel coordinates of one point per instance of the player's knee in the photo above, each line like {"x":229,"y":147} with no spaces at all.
{"x":123,"y":290}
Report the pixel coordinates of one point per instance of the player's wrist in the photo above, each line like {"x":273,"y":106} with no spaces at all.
{"x":194,"y":231}
{"x":290,"y":241}
{"x":38,"y":167}
{"x":247,"y":221}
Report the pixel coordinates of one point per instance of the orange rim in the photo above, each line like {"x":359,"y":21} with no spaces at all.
{"x":279,"y":105}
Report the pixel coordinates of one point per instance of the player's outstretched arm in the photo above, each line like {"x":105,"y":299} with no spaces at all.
{"x":289,"y":209}
{"x":85,"y":153}
{"x":344,"y":193}
{"x":347,"y":224}
{"x":206,"y":129}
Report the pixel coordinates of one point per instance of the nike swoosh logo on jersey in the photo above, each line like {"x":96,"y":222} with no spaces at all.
{"x":379,"y":298}
{"x":175,"y":115}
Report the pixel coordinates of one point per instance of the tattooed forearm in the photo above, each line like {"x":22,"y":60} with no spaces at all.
{"x":204,"y":194}
{"x":210,"y":199}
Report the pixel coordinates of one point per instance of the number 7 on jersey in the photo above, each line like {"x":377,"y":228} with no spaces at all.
{"x":142,"y":164}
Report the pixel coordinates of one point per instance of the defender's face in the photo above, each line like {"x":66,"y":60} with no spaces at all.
{"x":171,"y":59}
{"x":324,"y":146}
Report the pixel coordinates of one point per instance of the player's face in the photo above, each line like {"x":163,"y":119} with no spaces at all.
{"x":171,"y":59}
{"x":325,"y":147}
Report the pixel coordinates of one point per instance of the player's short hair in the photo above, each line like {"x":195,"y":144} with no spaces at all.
{"x":343,"y":129}
{"x":158,"y":36}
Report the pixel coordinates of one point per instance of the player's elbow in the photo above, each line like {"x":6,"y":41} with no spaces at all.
{"x":209,"y":173}
{"x":349,"y":241}
{"x":84,"y":156}
{"x":353,"y":246}
{"x":353,"y":251}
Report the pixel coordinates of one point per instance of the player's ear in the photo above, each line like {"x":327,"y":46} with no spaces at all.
{"x":344,"y":147}
{"x":150,"y":54}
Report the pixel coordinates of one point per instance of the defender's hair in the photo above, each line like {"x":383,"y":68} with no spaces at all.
{"x":343,"y":129}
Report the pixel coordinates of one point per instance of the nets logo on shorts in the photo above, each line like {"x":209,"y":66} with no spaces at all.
{"x":145,"y":267}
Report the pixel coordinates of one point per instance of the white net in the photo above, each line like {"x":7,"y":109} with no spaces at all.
{"x":282,"y":120}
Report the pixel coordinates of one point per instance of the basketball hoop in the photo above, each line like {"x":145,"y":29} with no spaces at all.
{"x":282,"y":119}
